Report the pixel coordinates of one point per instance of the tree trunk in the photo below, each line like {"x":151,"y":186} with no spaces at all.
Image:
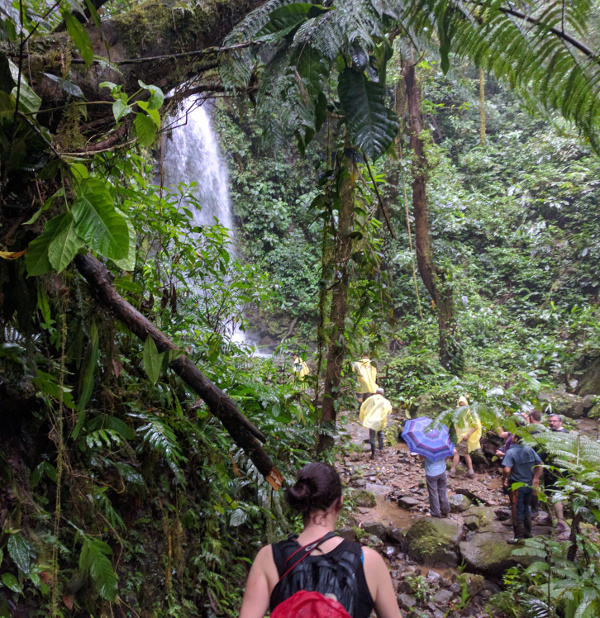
{"x":339,"y":306}
{"x":450,"y":350}
{"x":242,"y":431}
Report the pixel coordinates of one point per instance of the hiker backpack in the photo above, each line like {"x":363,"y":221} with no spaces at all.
{"x":317,"y":586}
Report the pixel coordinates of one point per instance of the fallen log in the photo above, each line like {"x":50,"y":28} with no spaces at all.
{"x":241,"y":430}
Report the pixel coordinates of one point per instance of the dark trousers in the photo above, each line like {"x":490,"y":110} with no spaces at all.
{"x":520,"y":503}
{"x":372,"y":433}
{"x":438,"y":494}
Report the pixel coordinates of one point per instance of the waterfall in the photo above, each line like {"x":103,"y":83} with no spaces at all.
{"x":193,"y":155}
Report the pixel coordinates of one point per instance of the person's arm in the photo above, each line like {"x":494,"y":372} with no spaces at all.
{"x":506,"y":471}
{"x":537,"y":473}
{"x":380,"y":585}
{"x":257,"y":596}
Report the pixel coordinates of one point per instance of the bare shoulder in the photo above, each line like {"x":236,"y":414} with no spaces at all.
{"x":372,"y":557}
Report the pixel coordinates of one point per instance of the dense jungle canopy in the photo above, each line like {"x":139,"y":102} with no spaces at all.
{"x":417,"y":181}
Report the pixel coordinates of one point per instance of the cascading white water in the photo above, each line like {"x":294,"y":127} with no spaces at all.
{"x":192,"y":155}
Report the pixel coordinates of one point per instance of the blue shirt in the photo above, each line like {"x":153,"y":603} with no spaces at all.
{"x":435,"y":467}
{"x":521,"y":460}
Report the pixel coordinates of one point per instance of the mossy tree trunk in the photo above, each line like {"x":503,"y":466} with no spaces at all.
{"x":450,"y":350}
{"x":339,"y":304}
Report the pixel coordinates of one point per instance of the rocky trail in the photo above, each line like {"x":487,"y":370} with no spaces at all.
{"x":441,"y":567}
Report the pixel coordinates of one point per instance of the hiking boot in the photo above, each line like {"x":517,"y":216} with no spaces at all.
{"x":471,"y":474}
{"x":372,"y":451}
{"x":452,"y":473}
{"x":519,"y":529}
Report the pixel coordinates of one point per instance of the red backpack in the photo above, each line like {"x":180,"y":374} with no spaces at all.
{"x":309,"y":603}
{"x":306,"y":604}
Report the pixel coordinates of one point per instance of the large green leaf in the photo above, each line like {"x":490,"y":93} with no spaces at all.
{"x":28,"y":99}
{"x":284,"y":19}
{"x":37,"y":258}
{"x":372,"y":126}
{"x":145,"y":129}
{"x":80,"y":37}
{"x":98,"y":222}
{"x":128,"y":262}
{"x":152,"y":360}
{"x":19,"y":551}
{"x":93,"y":560}
{"x":65,"y":244}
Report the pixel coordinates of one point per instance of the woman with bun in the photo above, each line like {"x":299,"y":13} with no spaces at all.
{"x":318,"y":566}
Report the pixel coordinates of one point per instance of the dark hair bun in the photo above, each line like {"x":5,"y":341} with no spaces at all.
{"x":318,"y":486}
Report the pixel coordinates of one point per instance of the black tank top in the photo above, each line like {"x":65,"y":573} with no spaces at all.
{"x":339,"y":573}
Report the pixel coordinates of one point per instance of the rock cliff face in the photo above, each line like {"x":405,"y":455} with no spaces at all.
{"x":590,"y":381}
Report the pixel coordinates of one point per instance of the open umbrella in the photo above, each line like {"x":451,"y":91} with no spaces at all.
{"x":431,"y":444}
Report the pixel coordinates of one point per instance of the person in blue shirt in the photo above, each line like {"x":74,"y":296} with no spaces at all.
{"x":521,"y":465}
{"x":435,"y":475}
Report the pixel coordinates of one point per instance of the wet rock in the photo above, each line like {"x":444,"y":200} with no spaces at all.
{"x":407,"y":502}
{"x":590,"y":381}
{"x":405,"y":587}
{"x":359,"y":483}
{"x":394,"y":535}
{"x":471,"y":522}
{"x":373,"y":541}
{"x":348,"y":533}
{"x":475,"y":583}
{"x":571,"y":406}
{"x":488,"y":553}
{"x":406,"y":601}
{"x":376,"y":528}
{"x":502,"y":514}
{"x":442,"y":597}
{"x":459,"y":503}
{"x":432,"y":576}
{"x":434,"y":542}
{"x":362,"y":498}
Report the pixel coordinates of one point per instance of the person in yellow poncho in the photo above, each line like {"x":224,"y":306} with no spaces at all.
{"x":366,"y":376}
{"x":373,"y":415}
{"x":468,"y":434}
{"x":300,"y":369}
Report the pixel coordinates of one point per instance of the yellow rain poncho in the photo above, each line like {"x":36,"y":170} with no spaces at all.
{"x":300,"y":368}
{"x":469,"y":421}
{"x":366,"y":375}
{"x":374,"y":412}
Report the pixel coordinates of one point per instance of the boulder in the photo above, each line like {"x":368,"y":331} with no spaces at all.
{"x":459,"y":503}
{"x":348,"y":533}
{"x":394,"y":535}
{"x":360,"y":497}
{"x":566,"y":404}
{"x":590,"y":381}
{"x":434,"y":542}
{"x":408,"y":502}
{"x":488,"y":553}
{"x":376,"y":528}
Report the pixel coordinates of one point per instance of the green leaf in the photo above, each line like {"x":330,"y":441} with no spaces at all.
{"x":65,"y":242}
{"x":372,"y":126}
{"x":49,"y":386}
{"x":93,"y":560}
{"x":19,"y":551}
{"x":80,"y":37}
{"x":152,"y":360}
{"x":145,"y":129}
{"x":284,"y":19}
{"x":37,"y":257}
{"x":28,"y":99}
{"x":151,"y":112}
{"x":11,"y":582}
{"x":156,"y":95}
{"x":98,"y":222}
{"x":128,"y":262}
{"x":120,"y":109}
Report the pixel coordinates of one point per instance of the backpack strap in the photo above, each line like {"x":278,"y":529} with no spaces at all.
{"x":303,"y":552}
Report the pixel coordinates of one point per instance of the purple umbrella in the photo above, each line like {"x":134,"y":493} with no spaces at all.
{"x":431,"y":444}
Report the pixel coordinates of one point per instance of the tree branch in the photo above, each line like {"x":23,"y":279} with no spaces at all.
{"x":242,"y":431}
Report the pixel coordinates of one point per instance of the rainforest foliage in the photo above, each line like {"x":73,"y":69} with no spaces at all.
{"x":377,"y":208}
